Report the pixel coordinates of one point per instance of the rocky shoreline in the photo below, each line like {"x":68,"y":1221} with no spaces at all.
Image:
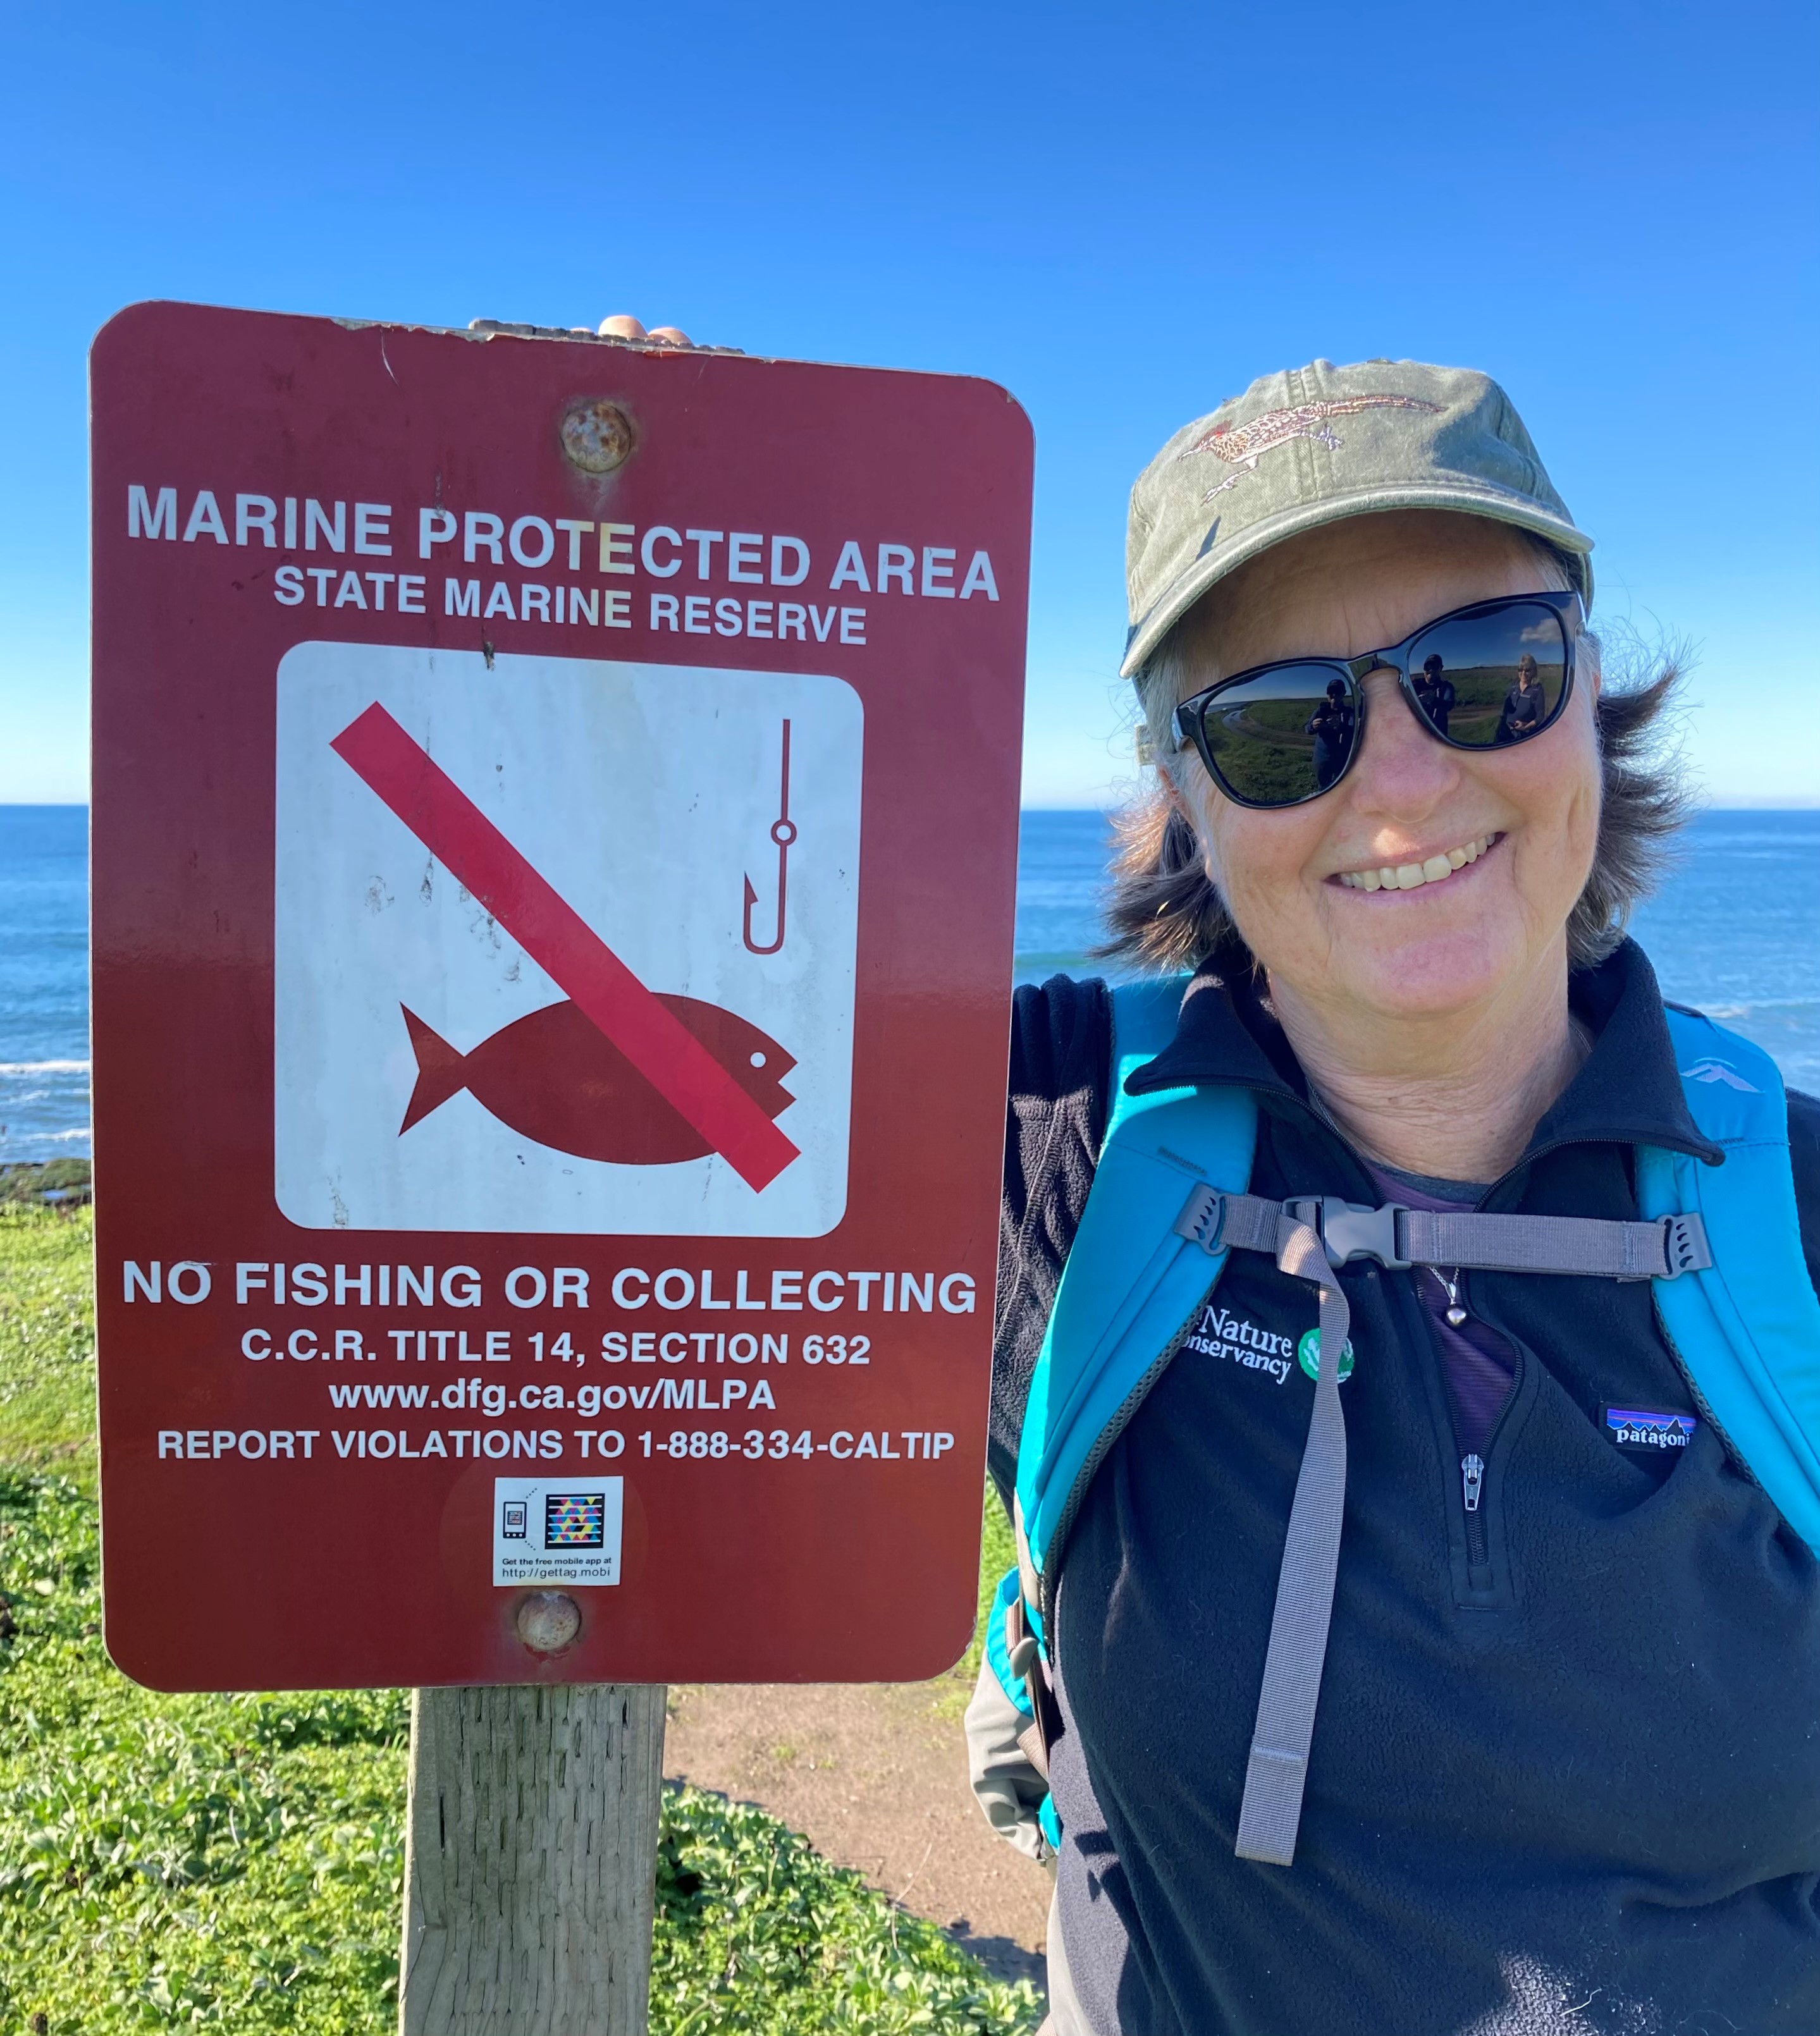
{"x":46,"y":1183}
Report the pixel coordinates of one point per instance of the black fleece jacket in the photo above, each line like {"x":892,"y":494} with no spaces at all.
{"x":1566,"y":1774}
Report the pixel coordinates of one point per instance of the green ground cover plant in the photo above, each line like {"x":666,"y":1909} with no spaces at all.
{"x":47,"y":1342}
{"x":235,"y":1863}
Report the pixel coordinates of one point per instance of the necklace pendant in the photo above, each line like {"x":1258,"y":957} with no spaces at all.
{"x":1455,"y":1315}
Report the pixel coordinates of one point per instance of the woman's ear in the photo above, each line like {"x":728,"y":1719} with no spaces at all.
{"x":1182,"y":809}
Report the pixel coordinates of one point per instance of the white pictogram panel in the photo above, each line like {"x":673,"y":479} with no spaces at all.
{"x":563,"y":945}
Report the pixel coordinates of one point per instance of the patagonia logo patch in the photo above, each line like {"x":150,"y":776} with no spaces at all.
{"x":1647,"y":1431}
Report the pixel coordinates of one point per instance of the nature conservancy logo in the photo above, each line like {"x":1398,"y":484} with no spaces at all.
{"x":1308,"y":1356}
{"x":1219,"y":1334}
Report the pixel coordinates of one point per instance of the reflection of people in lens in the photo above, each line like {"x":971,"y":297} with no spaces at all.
{"x":1522,"y":714}
{"x":1434,"y":691}
{"x":1332,"y":727}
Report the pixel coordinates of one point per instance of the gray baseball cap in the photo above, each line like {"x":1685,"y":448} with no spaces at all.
{"x":1313,"y":444}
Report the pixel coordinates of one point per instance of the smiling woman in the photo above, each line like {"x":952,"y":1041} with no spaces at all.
{"x":1439,"y":1137}
{"x":1166,"y":910}
{"x":1516,"y":832}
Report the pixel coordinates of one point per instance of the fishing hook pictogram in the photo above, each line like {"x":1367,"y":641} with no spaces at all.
{"x":784,"y":833}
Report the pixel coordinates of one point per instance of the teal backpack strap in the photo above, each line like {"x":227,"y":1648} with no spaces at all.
{"x":1747,"y":1327}
{"x":998,"y":1643}
{"x":1130,"y":1284}
{"x":1143,"y":1023}
{"x":1144,"y":1016}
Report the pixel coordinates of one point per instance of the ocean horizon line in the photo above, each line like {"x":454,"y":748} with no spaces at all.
{"x":1733,"y":802}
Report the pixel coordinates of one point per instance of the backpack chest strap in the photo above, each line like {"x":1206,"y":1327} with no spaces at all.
{"x":1399,"y":1238}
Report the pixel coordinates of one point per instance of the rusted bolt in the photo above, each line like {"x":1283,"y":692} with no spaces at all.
{"x":596,"y":435}
{"x":548,"y":1621}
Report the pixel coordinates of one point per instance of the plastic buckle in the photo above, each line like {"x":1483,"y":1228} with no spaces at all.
{"x":1684,"y":1245}
{"x":1355,"y":1230}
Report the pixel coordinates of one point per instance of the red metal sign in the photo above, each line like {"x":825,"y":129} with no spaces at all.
{"x":555,"y":825}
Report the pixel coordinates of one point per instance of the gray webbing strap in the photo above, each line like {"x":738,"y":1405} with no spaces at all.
{"x":1536,"y":1244}
{"x":1396,"y":1236}
{"x":1271,"y":1810}
{"x":1223,"y":1221}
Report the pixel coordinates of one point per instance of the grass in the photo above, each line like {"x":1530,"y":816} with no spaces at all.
{"x":47,"y":1342}
{"x":235,"y":1863}
{"x":757,"y":1931}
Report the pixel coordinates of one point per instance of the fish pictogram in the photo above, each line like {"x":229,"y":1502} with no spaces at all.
{"x":1241,"y":446}
{"x":636,"y":1023}
{"x":553,"y":1077}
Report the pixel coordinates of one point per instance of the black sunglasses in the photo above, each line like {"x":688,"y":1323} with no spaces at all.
{"x":1482,"y":677}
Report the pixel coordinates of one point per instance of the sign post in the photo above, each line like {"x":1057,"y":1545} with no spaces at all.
{"x":530,"y":1843}
{"x":554,"y":841}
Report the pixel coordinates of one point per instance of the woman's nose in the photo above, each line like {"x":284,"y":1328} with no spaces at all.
{"x":1403,"y":770}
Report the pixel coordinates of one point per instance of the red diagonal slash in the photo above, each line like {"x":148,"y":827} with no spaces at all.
{"x":562,"y":944}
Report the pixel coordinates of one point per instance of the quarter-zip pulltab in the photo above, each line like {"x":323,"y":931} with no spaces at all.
{"x":1472,"y":1480}
{"x":1478,"y":1540}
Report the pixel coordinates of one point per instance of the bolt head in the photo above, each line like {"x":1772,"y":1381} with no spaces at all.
{"x":596,"y":436}
{"x":548,"y":1621}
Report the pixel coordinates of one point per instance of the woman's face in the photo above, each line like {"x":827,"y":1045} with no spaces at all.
{"x":1451,"y":944}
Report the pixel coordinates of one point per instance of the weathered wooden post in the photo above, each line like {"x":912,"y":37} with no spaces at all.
{"x":529,"y":1851}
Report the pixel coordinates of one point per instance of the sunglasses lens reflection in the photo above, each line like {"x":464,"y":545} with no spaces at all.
{"x":1283,"y":736}
{"x":1488,"y":679}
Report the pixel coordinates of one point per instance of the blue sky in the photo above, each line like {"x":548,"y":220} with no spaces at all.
{"x":1122,"y":213}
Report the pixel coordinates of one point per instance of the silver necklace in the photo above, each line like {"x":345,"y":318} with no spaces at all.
{"x":1455,"y":1314}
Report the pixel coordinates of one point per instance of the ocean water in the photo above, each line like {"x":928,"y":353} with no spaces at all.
{"x":1736,"y":933}
{"x":43,"y":982}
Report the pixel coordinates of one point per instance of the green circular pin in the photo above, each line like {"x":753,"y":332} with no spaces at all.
{"x":1308,"y":1356}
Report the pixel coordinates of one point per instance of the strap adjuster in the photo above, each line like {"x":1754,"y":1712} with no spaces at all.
{"x":1203,"y":1218}
{"x":1684,"y":1245}
{"x":1353,"y":1230}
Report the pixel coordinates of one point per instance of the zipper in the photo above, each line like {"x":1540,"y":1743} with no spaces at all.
{"x":1473,"y":1468}
{"x":1476,"y":1581}
{"x":1472,"y":1491}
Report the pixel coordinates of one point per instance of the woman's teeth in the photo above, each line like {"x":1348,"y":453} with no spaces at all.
{"x":1412,"y":876}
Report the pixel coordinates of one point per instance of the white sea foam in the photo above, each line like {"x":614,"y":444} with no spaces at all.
{"x":43,"y":1067}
